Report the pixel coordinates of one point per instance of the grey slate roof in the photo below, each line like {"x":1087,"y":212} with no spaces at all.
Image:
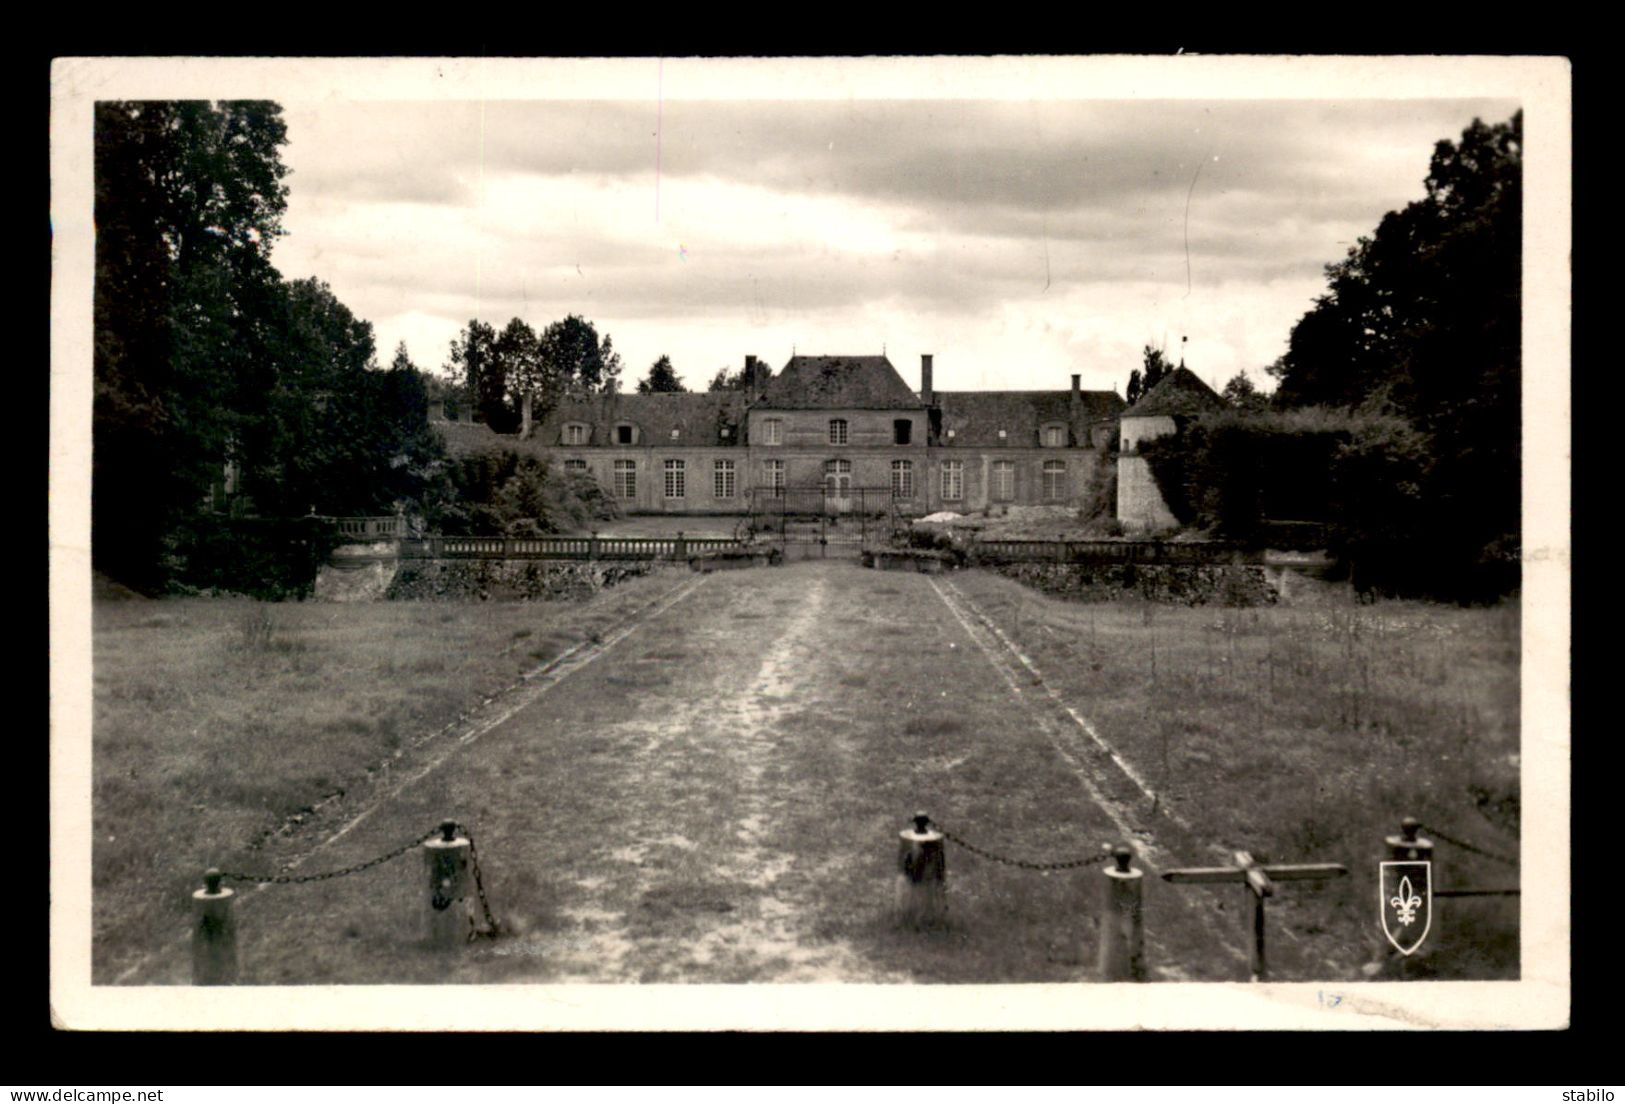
{"x":977,"y":416}
{"x":839,"y":382}
{"x":1180,"y":393}
{"x":697,"y":416}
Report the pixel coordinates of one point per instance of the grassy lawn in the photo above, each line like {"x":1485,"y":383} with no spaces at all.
{"x":717,"y":798}
{"x":1304,"y":735}
{"x":216,"y":721}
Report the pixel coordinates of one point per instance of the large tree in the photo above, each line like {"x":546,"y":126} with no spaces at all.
{"x":1156,"y":367}
{"x":1422,"y":319}
{"x":661,"y":377}
{"x":188,"y":202}
{"x":341,"y":436}
{"x":1243,"y":395}
{"x":572,"y":354}
{"x":474,"y":360}
{"x":518,"y":351}
{"x":728,"y":380}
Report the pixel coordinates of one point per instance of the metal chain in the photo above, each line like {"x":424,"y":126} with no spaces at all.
{"x":491,"y":929}
{"x":1022,"y":863}
{"x":297,"y":879}
{"x":1465,"y":846}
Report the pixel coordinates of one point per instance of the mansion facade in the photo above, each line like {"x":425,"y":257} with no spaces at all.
{"x":848,"y":425}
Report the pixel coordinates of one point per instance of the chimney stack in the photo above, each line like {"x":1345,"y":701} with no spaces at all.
{"x":751,"y":369}
{"x":926,"y":395}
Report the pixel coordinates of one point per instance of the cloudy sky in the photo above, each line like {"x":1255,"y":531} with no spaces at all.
{"x":1016,"y":240}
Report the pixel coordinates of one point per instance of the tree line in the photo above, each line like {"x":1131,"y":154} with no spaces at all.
{"x":233,"y":408}
{"x":1396,"y":418}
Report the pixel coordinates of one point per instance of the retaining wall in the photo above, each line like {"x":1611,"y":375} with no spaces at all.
{"x":534,"y":580}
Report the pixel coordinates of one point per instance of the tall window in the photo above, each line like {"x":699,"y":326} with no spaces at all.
{"x":772,"y":431}
{"x":575,"y":464}
{"x":837,"y":431}
{"x":953,"y":480}
{"x":674,"y":479}
{"x":575,"y":434}
{"x":1004,"y":480}
{"x":773,"y":476}
{"x":722,"y":479}
{"x":902,"y":478}
{"x":838,"y":476}
{"x":626,"y":478}
{"x":1054,"y":479}
{"x":1054,"y":436}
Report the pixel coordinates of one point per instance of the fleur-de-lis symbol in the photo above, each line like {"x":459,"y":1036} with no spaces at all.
{"x":1407,"y":902}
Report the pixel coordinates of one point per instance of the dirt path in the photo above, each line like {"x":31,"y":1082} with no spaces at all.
{"x":709,"y":798}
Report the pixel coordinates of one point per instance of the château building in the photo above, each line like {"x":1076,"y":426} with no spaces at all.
{"x":848,"y":425}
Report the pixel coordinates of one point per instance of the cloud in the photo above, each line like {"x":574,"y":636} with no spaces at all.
{"x":1032,"y":234}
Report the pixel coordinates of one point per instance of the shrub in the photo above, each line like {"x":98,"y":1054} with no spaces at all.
{"x":267,"y":558}
{"x":498,"y":492}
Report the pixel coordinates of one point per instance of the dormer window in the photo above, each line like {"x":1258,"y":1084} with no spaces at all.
{"x":575,"y":433}
{"x":675,"y":433}
{"x":1055,"y":436}
{"x":626,"y":434}
{"x":837,"y":431}
{"x":1003,"y":435}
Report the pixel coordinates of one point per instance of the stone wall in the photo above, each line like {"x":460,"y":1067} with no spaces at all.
{"x":1190,"y":585}
{"x":1140,"y":505}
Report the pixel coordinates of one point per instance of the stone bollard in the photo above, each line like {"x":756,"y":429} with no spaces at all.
{"x":1122,"y":923}
{"x":922,"y":892}
{"x":446,"y":860}
{"x":214,"y":933}
{"x":1407,"y":846}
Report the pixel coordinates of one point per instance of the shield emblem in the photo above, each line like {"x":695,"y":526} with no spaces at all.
{"x":1407,"y":903}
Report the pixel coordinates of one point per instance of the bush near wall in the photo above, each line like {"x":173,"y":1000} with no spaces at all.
{"x":1391,"y":506}
{"x":268,"y":558}
{"x":1229,"y":472}
{"x":499,"y":492}
{"x":1178,"y":584}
